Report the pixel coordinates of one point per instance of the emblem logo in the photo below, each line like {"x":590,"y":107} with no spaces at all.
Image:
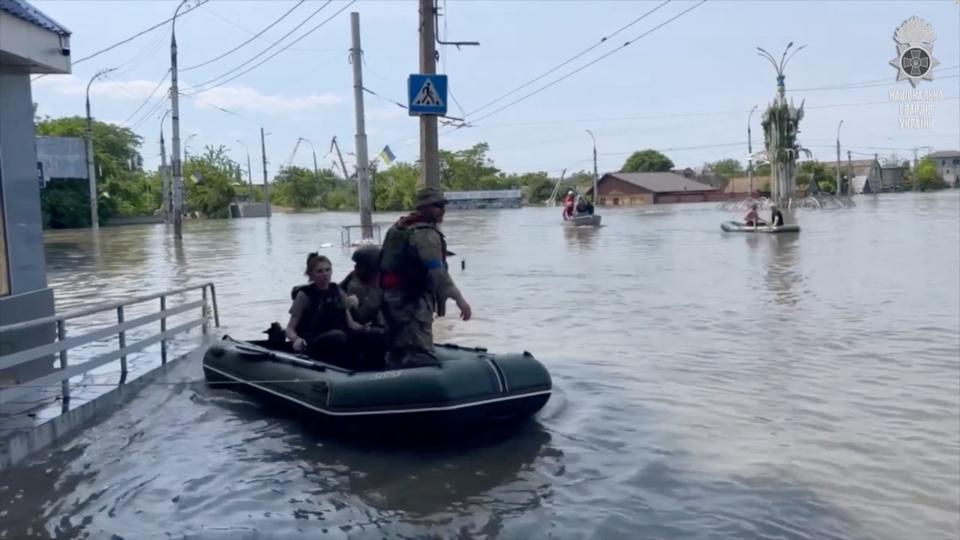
{"x":914,"y":61}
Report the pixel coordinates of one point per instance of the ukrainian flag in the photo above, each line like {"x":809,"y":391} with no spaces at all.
{"x":387,"y":155}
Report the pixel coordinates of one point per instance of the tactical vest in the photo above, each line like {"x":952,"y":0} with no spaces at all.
{"x":400,"y":264}
{"x":325,"y":312}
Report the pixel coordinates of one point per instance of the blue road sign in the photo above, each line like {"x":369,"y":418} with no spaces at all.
{"x":427,"y":94}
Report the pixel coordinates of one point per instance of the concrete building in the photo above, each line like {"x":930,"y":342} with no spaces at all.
{"x":30,"y":43}
{"x":948,"y":166}
{"x":642,"y":188}
{"x":499,"y":198}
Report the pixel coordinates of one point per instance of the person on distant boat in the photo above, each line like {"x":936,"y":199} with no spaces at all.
{"x":776,"y":216}
{"x":752,"y":219}
{"x":568,"y":205}
{"x":584,"y":207}
{"x":319,"y":318}
{"x":415,"y":283}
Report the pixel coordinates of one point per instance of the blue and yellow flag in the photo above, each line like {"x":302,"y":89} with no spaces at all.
{"x":387,"y":155}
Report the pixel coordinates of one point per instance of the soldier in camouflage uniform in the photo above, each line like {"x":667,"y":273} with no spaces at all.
{"x":414,"y":281}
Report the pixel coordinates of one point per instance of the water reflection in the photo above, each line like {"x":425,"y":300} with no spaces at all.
{"x":580,"y":240}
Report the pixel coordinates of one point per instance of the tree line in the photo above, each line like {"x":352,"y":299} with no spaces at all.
{"x":212,"y":180}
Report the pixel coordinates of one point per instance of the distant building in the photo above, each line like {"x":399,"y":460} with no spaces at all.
{"x":740,"y":186}
{"x":500,"y":198}
{"x":637,"y":189}
{"x":948,"y":166}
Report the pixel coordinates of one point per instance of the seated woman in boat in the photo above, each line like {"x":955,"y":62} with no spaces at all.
{"x":584,"y":207}
{"x":752,"y":219}
{"x":320,"y":321}
{"x":363,"y":293}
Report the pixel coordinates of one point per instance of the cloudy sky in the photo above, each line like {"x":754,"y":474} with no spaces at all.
{"x":684,"y":85}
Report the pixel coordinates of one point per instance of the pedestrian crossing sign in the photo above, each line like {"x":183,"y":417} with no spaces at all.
{"x":427,"y":95}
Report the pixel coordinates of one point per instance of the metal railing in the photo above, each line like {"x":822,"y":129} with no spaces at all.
{"x":64,"y":343}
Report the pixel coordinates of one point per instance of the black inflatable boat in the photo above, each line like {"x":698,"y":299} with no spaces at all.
{"x":469,"y":386}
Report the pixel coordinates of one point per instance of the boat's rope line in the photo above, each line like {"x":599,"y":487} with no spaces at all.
{"x":166,"y":383}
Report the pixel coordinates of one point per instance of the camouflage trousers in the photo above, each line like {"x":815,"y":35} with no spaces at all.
{"x":409,"y":328}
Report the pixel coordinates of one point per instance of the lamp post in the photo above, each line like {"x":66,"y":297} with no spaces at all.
{"x":249,"y":172}
{"x":596,"y":198}
{"x":316,"y":171}
{"x":175,"y":107}
{"x":839,"y":190}
{"x":164,"y":171}
{"x":91,"y":168}
{"x":186,"y":147}
{"x":750,"y":151}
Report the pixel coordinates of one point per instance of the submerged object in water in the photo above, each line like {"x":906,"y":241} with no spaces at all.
{"x":468,"y":386}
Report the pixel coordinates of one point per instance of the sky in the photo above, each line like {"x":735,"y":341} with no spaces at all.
{"x":685,"y":88}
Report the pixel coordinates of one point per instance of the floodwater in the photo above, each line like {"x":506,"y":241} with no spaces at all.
{"x":707,"y":385}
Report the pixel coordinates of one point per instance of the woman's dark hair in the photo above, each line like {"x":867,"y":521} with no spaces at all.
{"x":314,"y":259}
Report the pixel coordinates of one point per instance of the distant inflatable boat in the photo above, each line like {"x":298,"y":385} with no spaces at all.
{"x":470,"y":386}
{"x":737,"y":226}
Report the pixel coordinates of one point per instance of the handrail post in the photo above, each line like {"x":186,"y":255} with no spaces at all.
{"x":163,"y":329}
{"x":64,"y":384}
{"x":205,"y":312}
{"x":216,"y":310}
{"x":123,"y":343}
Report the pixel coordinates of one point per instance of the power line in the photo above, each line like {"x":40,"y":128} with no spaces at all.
{"x":588,"y":64}
{"x":194,"y":89}
{"x":267,"y":59}
{"x":251,"y":32}
{"x":844,"y":86}
{"x":255,"y":36}
{"x":134,"y":113}
{"x":568,"y":60}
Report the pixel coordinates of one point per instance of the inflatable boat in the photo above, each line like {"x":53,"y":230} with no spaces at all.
{"x":737,"y":226}
{"x":583,"y":220}
{"x":467,"y":387}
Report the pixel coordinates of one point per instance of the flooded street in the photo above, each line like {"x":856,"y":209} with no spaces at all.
{"x":707,"y":385}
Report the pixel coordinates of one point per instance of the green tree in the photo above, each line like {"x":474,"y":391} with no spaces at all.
{"x":394,"y":188}
{"x":469,"y":169}
{"x":122,"y":186}
{"x":728,"y":168}
{"x":647,"y":161}
{"x":814,"y":172}
{"x":210,"y":183}
{"x":296,"y":187}
{"x":927,"y":176}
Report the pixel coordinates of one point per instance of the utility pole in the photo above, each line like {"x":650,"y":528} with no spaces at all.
{"x":164,"y":181}
{"x":363,"y":165}
{"x":839,"y":187}
{"x":266,"y":190}
{"x":429,"y":140}
{"x":596,"y":175}
{"x":749,"y":153}
{"x":850,"y":165}
{"x":175,"y":117}
{"x":91,"y":168}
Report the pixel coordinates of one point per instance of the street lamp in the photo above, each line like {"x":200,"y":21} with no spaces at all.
{"x":164,"y":171}
{"x":316,"y":171}
{"x":175,"y":106}
{"x":186,"y":147}
{"x":750,"y":151}
{"x":249,"y":173}
{"x":596,"y":198}
{"x":91,"y":169}
{"x":839,"y":190}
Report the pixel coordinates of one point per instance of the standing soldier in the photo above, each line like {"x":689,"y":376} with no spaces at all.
{"x":414,"y":281}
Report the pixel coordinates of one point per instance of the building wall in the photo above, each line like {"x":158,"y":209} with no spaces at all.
{"x":949,"y":169}
{"x":616,"y":192}
{"x":27,"y":296}
{"x":686,"y":197}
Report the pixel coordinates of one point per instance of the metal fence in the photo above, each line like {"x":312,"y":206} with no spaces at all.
{"x":63,"y":343}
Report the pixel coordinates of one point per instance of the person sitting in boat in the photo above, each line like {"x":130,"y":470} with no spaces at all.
{"x":320,"y":322}
{"x":584,"y":207}
{"x":362,"y":287}
{"x":776,"y":216}
{"x":752,"y":219}
{"x":568,"y":204}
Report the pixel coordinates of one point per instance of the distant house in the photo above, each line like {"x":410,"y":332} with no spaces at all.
{"x":637,"y":189}
{"x":948,"y":166}
{"x":740,"y":186}
{"x":500,"y":198}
